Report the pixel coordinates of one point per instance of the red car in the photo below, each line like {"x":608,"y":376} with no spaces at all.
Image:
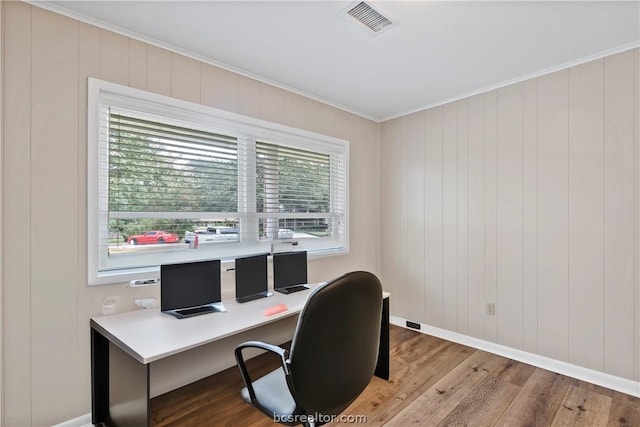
{"x":149,"y":237}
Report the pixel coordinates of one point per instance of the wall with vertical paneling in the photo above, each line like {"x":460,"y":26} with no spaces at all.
{"x":1,"y":220}
{"x":530,"y":202}
{"x":636,"y":105}
{"x":16,"y":214}
{"x":47,"y":304}
{"x":619,"y":220}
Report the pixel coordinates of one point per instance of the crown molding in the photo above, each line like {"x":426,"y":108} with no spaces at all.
{"x":564,"y":66}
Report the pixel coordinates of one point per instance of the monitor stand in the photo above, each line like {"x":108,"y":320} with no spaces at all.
{"x":292,"y":289}
{"x":181,"y":313}
{"x":254,"y":296}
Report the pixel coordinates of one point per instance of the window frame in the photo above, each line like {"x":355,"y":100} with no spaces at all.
{"x":248,"y":131}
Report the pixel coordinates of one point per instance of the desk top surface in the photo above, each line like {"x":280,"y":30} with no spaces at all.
{"x":149,"y":335}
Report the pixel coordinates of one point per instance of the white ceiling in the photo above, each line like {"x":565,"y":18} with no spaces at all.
{"x":438,"y":51}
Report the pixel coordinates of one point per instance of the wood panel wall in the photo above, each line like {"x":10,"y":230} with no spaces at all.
{"x":526,"y":196}
{"x":46,"y":301}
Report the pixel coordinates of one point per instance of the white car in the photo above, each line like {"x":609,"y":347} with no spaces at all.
{"x":212,"y":235}
{"x":285,"y":233}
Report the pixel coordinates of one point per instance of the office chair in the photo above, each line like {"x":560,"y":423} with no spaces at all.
{"x":332,"y":358}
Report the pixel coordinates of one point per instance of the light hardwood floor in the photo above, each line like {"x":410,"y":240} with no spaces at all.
{"x":433,"y":383}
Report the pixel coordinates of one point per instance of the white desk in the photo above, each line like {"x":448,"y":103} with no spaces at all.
{"x":123,"y":346}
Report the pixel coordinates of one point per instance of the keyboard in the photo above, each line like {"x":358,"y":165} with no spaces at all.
{"x":292,"y":289}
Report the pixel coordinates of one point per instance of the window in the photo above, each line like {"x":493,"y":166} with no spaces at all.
{"x":172,"y":181}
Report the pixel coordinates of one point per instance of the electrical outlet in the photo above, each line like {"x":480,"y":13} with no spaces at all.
{"x":491,"y":308}
{"x":110,"y":305}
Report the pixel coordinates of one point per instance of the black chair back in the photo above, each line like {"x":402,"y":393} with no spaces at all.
{"x":334,"y":351}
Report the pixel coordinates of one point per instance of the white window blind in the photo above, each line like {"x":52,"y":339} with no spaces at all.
{"x":299,"y":192}
{"x":159,"y":170}
{"x":163,"y":172}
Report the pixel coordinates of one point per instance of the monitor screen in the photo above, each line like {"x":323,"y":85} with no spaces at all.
{"x":289,"y":268}
{"x":251,"y":275}
{"x":189,"y":284}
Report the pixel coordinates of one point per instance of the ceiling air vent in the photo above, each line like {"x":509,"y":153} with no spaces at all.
{"x":369,"y":16}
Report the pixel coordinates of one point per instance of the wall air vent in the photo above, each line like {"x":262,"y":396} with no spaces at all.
{"x":369,"y":16}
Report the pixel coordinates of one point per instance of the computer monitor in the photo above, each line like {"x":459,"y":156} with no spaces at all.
{"x":251,"y":278}
{"x":190,"y":288}
{"x":289,"y":271}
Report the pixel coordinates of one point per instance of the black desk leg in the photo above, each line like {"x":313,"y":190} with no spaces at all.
{"x":382,"y":367}
{"x":129,"y":402}
{"x":119,"y":386}
{"x":99,"y":378}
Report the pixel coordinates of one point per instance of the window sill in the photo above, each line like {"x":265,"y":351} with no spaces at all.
{"x":125,"y":276}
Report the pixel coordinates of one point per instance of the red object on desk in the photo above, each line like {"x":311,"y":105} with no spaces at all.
{"x":275,"y":310}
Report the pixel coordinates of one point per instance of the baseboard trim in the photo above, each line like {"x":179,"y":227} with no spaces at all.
{"x":613,"y":382}
{"x":81,"y":421}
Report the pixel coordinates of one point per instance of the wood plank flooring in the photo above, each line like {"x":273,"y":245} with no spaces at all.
{"x":433,"y":383}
